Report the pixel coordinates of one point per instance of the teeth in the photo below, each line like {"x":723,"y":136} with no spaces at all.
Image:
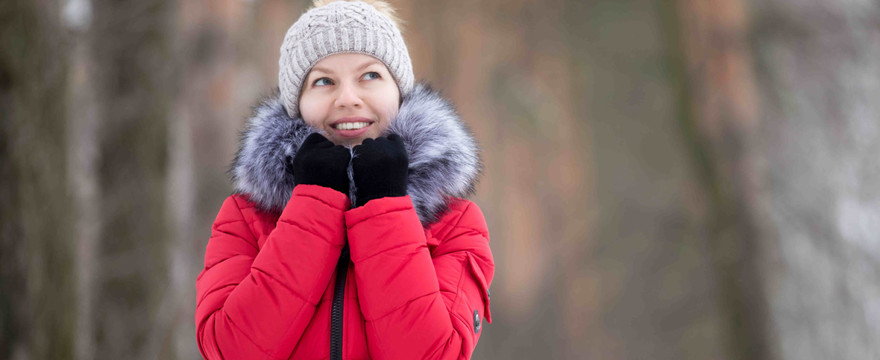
{"x":352,"y":125}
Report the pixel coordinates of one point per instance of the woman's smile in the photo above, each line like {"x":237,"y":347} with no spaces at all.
{"x":351,"y":97}
{"x":351,"y":127}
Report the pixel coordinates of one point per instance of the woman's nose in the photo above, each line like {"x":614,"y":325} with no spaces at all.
{"x":348,"y":96}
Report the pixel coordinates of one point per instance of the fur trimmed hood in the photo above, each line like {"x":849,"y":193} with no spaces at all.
{"x":443,"y":155}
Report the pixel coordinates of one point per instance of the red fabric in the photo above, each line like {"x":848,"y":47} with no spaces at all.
{"x":267,"y":286}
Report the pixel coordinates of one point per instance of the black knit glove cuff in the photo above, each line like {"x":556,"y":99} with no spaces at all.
{"x":361,"y":200}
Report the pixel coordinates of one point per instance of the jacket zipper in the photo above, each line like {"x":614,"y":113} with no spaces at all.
{"x":336,"y":310}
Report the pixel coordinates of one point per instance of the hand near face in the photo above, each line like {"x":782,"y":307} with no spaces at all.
{"x":380,"y":168}
{"x":319,"y":162}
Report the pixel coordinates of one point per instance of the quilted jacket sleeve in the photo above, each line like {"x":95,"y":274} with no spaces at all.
{"x":420,"y":305}
{"x":256,"y":303}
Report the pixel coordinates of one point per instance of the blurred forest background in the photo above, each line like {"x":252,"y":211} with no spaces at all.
{"x":690,"y":179}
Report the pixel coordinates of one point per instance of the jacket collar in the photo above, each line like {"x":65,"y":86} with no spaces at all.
{"x":443,"y":155}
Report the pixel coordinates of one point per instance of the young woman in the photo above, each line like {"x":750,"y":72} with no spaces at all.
{"x":348,"y":236}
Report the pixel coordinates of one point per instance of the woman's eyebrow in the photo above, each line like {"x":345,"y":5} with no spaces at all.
{"x":329,"y":71}
{"x":368,"y":63}
{"x":322,"y":69}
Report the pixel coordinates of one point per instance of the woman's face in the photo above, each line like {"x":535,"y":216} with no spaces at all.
{"x":350,"y":97}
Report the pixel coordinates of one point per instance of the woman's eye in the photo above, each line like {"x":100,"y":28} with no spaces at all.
{"x":322,"y":81}
{"x":371,"y":75}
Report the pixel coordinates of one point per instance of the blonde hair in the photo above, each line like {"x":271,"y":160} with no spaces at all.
{"x":383,"y":7}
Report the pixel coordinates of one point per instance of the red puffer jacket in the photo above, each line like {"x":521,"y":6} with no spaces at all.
{"x":417,"y":285}
{"x":417,"y":293}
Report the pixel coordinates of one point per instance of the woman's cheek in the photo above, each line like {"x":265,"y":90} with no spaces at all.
{"x":310,"y":110}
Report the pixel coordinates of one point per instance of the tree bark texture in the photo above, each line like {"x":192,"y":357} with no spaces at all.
{"x":36,"y":261}
{"x":816,"y":145}
{"x":134,"y":302}
{"x":782,"y":94}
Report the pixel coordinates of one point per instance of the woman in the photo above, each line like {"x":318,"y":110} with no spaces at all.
{"x":347,"y":236}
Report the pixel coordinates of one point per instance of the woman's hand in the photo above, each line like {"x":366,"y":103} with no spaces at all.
{"x":319,"y":162}
{"x":380,"y":168}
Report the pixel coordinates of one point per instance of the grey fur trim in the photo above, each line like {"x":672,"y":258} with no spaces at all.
{"x":443,"y":155}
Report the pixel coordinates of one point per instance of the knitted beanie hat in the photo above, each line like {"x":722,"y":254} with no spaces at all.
{"x":340,"y":27}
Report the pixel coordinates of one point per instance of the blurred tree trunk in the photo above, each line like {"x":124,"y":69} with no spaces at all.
{"x":134,"y":304}
{"x":710,"y":55}
{"x":815,"y":150}
{"x":36,"y":260}
{"x":645,"y":280}
{"x":83,"y":142}
{"x":785,"y":121}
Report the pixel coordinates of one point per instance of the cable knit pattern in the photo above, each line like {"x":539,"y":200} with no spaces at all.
{"x":340,"y":27}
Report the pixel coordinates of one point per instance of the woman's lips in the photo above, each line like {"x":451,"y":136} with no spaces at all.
{"x":348,"y":127}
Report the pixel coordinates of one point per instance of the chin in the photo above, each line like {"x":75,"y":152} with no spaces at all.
{"x":358,"y":141}
{"x":344,"y":141}
{"x":348,"y":141}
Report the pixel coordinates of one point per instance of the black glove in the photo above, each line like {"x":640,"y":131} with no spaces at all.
{"x":319,"y":162}
{"x":380,"y":168}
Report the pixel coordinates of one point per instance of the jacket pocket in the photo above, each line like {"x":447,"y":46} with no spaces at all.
{"x":477,"y":276}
